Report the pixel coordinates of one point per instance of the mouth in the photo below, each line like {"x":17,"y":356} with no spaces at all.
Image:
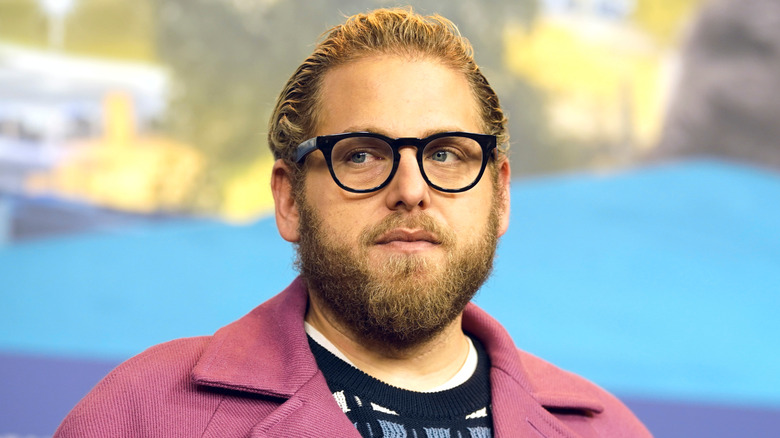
{"x":402,"y":236}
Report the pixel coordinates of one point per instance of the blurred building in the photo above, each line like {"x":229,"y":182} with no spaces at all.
{"x":726,"y":102}
{"x":83,"y":130}
{"x":52,"y":105}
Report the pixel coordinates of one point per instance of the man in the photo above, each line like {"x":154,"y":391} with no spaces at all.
{"x":392,"y":180}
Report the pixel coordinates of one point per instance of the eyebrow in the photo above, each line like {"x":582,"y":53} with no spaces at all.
{"x":377,"y":130}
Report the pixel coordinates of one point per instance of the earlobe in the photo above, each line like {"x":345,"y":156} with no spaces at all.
{"x":504,"y":181}
{"x":285,"y":207}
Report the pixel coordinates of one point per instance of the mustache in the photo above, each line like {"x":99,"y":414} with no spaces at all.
{"x":418,"y":221}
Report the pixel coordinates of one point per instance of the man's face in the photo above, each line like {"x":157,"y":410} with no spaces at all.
{"x":397,"y":265}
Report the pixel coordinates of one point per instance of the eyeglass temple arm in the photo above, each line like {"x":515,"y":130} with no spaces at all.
{"x":305,"y":148}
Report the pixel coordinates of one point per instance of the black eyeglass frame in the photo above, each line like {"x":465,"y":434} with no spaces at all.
{"x":325,"y":143}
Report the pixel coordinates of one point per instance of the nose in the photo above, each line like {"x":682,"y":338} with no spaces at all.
{"x":408,"y":188}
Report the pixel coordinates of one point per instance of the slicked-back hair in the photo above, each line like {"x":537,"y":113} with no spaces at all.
{"x":384,"y":31}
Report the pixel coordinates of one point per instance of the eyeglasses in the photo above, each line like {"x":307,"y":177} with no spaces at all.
{"x":364,"y":162}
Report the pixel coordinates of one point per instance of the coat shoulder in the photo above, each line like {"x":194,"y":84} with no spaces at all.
{"x":141,"y":391}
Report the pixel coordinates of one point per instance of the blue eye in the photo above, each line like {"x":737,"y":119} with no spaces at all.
{"x":358,"y":157}
{"x":441,"y":156}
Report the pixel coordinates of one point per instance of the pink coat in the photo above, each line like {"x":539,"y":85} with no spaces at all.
{"x":257,"y":378}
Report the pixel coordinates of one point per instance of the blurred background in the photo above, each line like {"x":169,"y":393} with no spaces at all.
{"x":134,"y":194}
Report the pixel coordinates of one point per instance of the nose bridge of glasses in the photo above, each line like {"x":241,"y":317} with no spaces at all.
{"x":408,"y":180}
{"x":407,"y":142}
{"x":408,"y":151}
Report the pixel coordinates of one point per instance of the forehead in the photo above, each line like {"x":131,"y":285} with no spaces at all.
{"x":396,"y":96}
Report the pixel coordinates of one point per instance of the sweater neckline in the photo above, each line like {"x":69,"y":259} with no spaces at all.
{"x":464,"y":373}
{"x":464,"y":399}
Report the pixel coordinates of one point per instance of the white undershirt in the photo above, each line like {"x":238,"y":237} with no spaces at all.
{"x":465,"y":372}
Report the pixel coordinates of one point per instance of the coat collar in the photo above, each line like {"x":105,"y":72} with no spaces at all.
{"x":524,"y":388}
{"x":266,"y":352}
{"x":549,"y":385}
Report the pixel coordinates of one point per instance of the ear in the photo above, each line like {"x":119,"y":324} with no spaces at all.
{"x":504,"y":181}
{"x":286,"y":210}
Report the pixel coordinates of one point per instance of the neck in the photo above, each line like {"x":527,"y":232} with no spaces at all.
{"x":416,"y":368}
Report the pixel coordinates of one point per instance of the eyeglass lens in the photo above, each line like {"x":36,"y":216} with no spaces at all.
{"x":363,"y":163}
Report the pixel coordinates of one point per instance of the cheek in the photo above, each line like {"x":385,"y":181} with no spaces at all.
{"x":472,"y":214}
{"x":342,"y":224}
{"x":475,"y":223}
{"x":342,"y":219}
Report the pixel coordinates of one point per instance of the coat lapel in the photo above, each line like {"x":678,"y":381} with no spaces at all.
{"x":517,"y":414}
{"x":265,"y":356}
{"x":311,"y":412}
{"x":517,"y":411}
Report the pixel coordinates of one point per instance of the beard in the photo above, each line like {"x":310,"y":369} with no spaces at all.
{"x":404,"y":300}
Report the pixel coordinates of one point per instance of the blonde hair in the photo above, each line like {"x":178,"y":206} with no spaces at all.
{"x":383,"y":31}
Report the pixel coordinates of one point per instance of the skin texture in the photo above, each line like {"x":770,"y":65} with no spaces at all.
{"x":398,"y":97}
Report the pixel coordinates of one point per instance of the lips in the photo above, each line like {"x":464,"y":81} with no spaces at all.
{"x":402,"y":235}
